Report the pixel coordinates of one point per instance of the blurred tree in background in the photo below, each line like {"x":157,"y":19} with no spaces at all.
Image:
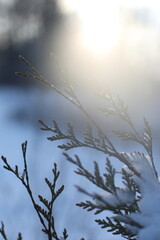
{"x":25,"y":27}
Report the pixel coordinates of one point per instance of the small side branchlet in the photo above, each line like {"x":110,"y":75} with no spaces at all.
{"x":45,"y":210}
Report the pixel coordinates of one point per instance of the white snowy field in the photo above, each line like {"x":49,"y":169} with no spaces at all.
{"x":19,"y":112}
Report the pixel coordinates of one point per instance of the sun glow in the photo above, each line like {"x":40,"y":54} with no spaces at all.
{"x":100,"y":23}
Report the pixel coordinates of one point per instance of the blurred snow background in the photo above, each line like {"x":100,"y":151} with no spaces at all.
{"x":114,"y":44}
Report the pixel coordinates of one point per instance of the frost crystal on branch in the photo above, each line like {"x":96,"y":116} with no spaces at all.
{"x":149,"y":208}
{"x":145,"y":221}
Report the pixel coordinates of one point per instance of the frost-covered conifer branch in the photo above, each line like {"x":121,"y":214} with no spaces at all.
{"x":71,"y":97}
{"x":44,"y":212}
{"x":121,"y":201}
{"x":115,"y":227}
{"x":134,"y":216}
{"x":106,"y":184}
{"x":2,"y":231}
{"x":118,"y":108}
{"x":36,"y":75}
{"x":90,"y":141}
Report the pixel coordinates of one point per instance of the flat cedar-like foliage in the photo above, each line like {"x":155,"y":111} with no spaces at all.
{"x":128,"y":202}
